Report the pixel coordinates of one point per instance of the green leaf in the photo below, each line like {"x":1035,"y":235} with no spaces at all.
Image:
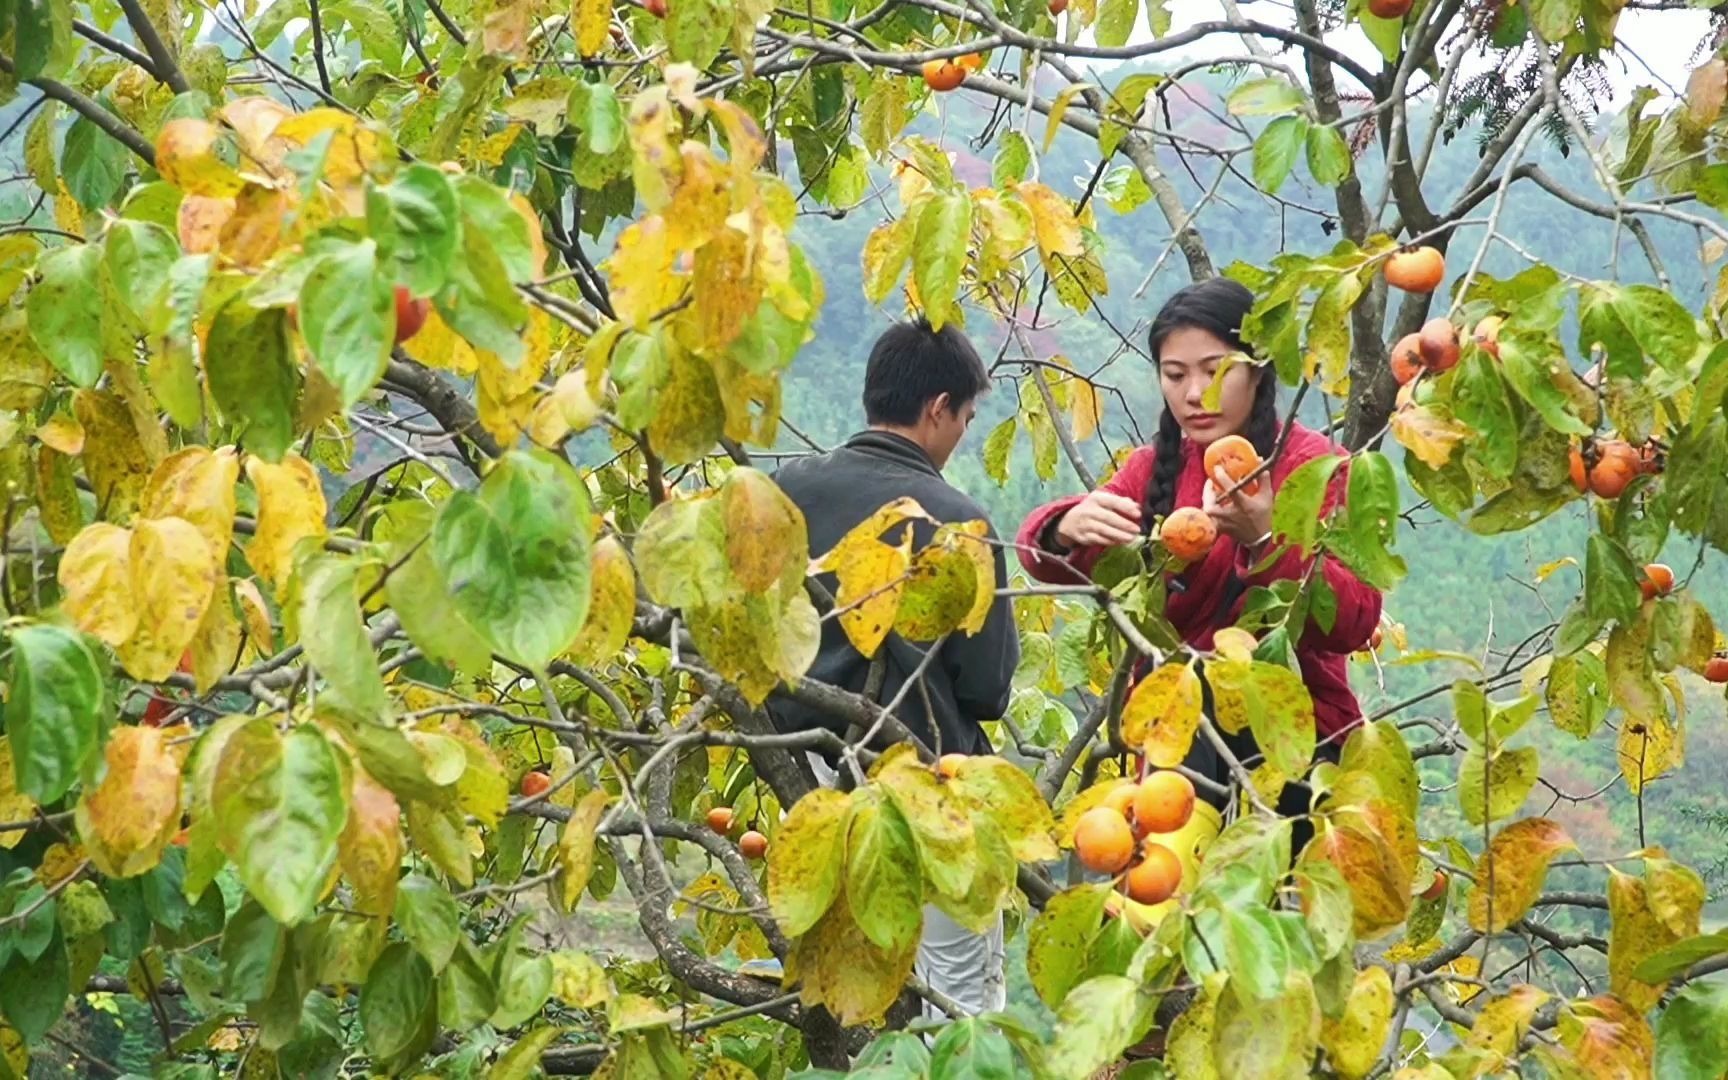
{"x":1527,"y":360}
{"x":1276,"y":150}
{"x":416,"y":591}
{"x":479,"y":302}
{"x":1281,"y":716}
{"x":33,"y":992}
{"x":1577,"y":693}
{"x":1097,"y":1021}
{"x":1479,"y":399}
{"x":522,"y":1060}
{"x":466,"y":996}
{"x":1663,"y":327}
{"x":939,"y":253}
{"x":65,"y":311}
{"x":517,"y":555}
{"x":1265,"y":97}
{"x":280,"y":803}
{"x":523,"y":976}
{"x":697,"y":29}
{"x":140,"y":258}
{"x":883,"y":884}
{"x":1666,"y":963}
{"x":251,"y":952}
{"x":1378,"y":749}
{"x":397,"y":1008}
{"x":996,"y":449}
{"x":249,"y":363}
{"x":1254,"y":952}
{"x":486,"y":210}
{"x":1296,"y":507}
{"x":1610,"y":581}
{"x":1494,"y":787}
{"x":347,"y":315}
{"x":1371,"y":504}
{"x":1013,"y":158}
{"x":53,"y":715}
{"x":1056,"y":944}
{"x":92,"y":164}
{"x":333,"y":633}
{"x":971,"y":1049}
{"x":427,"y":916}
{"x":804,"y":869}
{"x":413,"y":219}
{"x":1116,"y":22}
{"x":1692,"y":1033}
{"x":34,"y":28}
{"x":1329,"y":160}
{"x":1554,"y":19}
{"x":1387,"y":35}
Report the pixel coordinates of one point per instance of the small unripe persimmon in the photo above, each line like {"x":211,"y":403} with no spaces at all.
{"x":535,"y":783}
{"x":943,"y":75}
{"x":1657,"y":580}
{"x":720,"y":819}
{"x":753,"y":844}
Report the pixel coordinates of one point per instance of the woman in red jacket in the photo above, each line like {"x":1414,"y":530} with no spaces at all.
{"x":1193,"y":332}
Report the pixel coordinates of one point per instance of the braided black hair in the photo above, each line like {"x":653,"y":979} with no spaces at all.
{"x":1217,"y":306}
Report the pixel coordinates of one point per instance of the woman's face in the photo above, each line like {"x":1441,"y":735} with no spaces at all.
{"x":1186,"y":364}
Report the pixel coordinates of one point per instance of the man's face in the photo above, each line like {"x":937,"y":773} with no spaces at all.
{"x":947,"y":424}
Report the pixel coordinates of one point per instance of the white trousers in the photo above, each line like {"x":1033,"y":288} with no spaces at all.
{"x":966,"y":966}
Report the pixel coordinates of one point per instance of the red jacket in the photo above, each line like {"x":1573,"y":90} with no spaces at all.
{"x":1322,"y":656}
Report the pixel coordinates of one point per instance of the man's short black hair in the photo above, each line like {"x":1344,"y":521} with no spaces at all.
{"x":911,"y":363}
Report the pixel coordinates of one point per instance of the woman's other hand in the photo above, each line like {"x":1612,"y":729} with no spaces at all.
{"x":1243,"y":517}
{"x":1101,"y":519}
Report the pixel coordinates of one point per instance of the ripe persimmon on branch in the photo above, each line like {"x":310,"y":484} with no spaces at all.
{"x":399,"y":598}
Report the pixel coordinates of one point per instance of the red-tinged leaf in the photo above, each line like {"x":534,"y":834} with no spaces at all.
{"x":370,"y":848}
{"x":1606,"y":1037}
{"x":1512,"y":870}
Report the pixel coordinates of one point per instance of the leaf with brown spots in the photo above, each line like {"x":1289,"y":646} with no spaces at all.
{"x":126,"y":820}
{"x":1512,"y":870}
{"x":173,"y":578}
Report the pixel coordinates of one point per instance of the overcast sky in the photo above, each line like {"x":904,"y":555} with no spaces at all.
{"x":1663,"y":40}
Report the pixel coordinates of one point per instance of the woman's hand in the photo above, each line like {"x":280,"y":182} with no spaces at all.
{"x":1243,"y":517}
{"x":1101,"y":519}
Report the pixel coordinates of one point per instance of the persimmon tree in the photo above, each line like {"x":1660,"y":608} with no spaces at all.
{"x":297,"y":773}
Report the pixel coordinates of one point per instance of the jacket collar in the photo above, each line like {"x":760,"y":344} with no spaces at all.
{"x":896,"y":448}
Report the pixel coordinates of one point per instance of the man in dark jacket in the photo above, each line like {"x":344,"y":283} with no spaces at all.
{"x":920,"y":393}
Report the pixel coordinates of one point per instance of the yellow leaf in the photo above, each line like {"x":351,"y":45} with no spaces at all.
{"x":1427,"y":434}
{"x":197,"y":484}
{"x":1053,"y":221}
{"x":724,"y":292}
{"x":290,"y":508}
{"x":505,"y":396}
{"x":505,"y":30}
{"x":639,"y":271}
{"x":128,"y":386}
{"x":1058,"y":108}
{"x":200,"y":220}
{"x":838,"y":966}
{"x":113,"y":457}
{"x":57,"y":495}
{"x":1517,"y":863}
{"x":1084,"y":409}
{"x":354,"y":147}
{"x":969,"y":538}
{"x":216,"y":644}
{"x":576,"y":846}
{"x":578,"y":981}
{"x":766,"y":543}
{"x":1504,"y":1019}
{"x":872,"y":575}
{"x":611,"y":605}
{"x":173,"y":577}
{"x":1647,"y":747}
{"x":441,"y":347}
{"x":96,"y":583}
{"x":254,"y":618}
{"x":253,"y":233}
{"x":14,"y":805}
{"x":188,"y":155}
{"x":59,"y":862}
{"x":254,"y":120}
{"x":370,"y":848}
{"x":127,"y":819}
{"x":1548,"y":569}
{"x":63,"y":433}
{"x":1353,"y":1041}
{"x":1607,"y":1037}
{"x":1163,"y":714}
{"x":702,"y":201}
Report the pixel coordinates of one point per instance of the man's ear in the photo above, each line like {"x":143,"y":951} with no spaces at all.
{"x":940,"y":404}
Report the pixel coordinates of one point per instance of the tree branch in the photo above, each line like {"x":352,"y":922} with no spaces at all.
{"x":163,"y":65}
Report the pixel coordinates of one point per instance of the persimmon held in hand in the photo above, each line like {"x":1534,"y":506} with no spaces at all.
{"x":720,"y":819}
{"x":1716,"y":669}
{"x":1103,"y":840}
{"x":1417,"y":269}
{"x":1406,"y":360}
{"x":1163,"y":803}
{"x":753,"y":844}
{"x":943,"y":75}
{"x":535,"y":783}
{"x":1156,"y":877}
{"x":1657,"y":580}
{"x":1237,"y":457}
{"x":1189,"y":533}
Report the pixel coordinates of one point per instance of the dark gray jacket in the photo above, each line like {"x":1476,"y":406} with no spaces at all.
{"x":970,"y":681}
